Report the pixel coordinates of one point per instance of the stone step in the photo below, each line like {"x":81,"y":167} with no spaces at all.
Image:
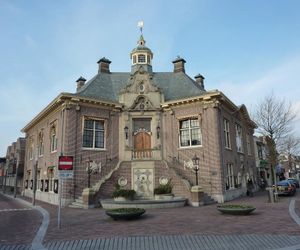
{"x":208,"y":200}
{"x":79,"y":200}
{"x":75,"y":206}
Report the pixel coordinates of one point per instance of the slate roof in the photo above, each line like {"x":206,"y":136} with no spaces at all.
{"x":107,"y":86}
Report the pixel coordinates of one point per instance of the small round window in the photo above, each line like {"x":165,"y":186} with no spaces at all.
{"x":142,"y":87}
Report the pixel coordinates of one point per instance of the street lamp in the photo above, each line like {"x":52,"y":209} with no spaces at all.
{"x":195,"y":160}
{"x":126,"y":132}
{"x":157,"y":131}
{"x":89,"y":172}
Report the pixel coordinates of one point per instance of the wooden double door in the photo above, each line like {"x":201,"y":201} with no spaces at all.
{"x":142,"y":144}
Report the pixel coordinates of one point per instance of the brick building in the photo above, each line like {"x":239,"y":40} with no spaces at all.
{"x":139,"y":129}
{"x":13,"y":165}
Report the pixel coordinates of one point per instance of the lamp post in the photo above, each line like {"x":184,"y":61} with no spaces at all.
{"x":126,"y":132}
{"x":195,"y":160}
{"x":157,"y":131}
{"x":89,"y":171}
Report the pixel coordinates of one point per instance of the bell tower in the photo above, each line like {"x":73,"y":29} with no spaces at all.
{"x":141,"y":56}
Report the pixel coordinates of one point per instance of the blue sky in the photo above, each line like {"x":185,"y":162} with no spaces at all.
{"x":244,"y":48}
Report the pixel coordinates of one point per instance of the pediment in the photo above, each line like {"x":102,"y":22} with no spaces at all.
{"x":142,"y":103}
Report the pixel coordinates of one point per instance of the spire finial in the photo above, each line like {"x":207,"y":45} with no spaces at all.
{"x":141,"y":25}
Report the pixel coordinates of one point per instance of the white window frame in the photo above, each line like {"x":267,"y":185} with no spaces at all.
{"x":239,"y":138}
{"x":53,"y":139}
{"x":189,"y":129}
{"x":227,"y":134}
{"x":139,"y":56}
{"x":41,"y":144}
{"x":30,"y":151}
{"x":230,"y":176}
{"x":94,"y":132}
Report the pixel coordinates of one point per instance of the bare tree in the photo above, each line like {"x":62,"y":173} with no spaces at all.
{"x":290,"y":146}
{"x":274,"y":119}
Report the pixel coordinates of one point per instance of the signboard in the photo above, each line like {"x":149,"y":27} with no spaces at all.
{"x":65,"y":167}
{"x":65,"y":163}
{"x":65,"y":174}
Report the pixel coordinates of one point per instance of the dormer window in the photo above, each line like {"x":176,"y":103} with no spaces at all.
{"x":141,"y":58}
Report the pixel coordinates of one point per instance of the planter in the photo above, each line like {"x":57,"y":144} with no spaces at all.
{"x":236,"y":209}
{"x":163,"y":196}
{"x":125,"y":213}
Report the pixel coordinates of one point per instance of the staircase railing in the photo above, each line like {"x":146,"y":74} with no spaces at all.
{"x":93,"y":177}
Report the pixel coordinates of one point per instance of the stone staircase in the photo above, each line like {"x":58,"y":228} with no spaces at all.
{"x":186,"y":179}
{"x":105,"y":186}
{"x":78,"y":203}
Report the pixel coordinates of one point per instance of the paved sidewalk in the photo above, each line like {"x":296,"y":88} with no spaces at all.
{"x":269,"y":227}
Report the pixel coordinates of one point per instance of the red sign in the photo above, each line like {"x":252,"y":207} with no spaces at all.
{"x":65,"y":163}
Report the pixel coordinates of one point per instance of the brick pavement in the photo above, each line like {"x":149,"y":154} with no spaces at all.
{"x":17,"y":226}
{"x":201,"y":223}
{"x":91,"y":224}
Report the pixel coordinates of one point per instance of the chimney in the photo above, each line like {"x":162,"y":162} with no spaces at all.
{"x":200,"y":80}
{"x":80,"y":83}
{"x":179,"y":65}
{"x":104,"y":65}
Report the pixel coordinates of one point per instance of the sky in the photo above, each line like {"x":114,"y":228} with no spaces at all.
{"x":246,"y":49}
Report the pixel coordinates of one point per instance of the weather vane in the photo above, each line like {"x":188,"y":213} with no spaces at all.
{"x":141,"y":25}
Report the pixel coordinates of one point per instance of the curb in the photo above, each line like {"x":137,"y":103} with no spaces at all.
{"x":296,"y":218}
{"x":37,"y":243}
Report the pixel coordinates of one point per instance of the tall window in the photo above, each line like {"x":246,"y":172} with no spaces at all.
{"x":41,"y":144}
{"x":248,"y":144}
{"x":190,"y":133}
{"x":38,"y":180}
{"x":260,"y":151}
{"x":238,"y":136}
{"x":141,"y":58}
{"x":30,"y":151}
{"x":230,"y":176}
{"x":93,"y":134}
{"x":53,"y":139}
{"x":227,"y":134}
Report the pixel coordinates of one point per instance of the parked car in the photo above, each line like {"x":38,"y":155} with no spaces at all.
{"x":296,"y":182}
{"x":285,"y":187}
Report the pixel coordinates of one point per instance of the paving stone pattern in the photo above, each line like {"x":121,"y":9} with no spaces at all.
{"x":269,"y":227}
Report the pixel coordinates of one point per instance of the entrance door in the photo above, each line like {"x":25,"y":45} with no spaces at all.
{"x":142,"y":144}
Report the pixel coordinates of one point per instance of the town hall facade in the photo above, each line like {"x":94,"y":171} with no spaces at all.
{"x":139,"y":129}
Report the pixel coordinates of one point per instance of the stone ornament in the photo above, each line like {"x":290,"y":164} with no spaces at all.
{"x":163,"y":180}
{"x":122,"y":181}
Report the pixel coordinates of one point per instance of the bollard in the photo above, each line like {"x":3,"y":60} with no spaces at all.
{"x":271,"y":194}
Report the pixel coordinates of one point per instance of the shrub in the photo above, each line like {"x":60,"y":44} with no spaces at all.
{"x":235,"y":206}
{"x":126,"y":210}
{"x":164,"y":189}
{"x":126,"y":193}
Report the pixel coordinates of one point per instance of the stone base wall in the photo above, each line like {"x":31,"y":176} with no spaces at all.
{"x":160,"y":170}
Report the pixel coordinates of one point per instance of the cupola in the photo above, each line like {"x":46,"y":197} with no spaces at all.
{"x":141,"y":55}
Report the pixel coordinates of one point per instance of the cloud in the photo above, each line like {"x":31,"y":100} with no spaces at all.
{"x":281,"y":80}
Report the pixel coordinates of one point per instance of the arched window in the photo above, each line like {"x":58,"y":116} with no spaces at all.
{"x":53,"y":139}
{"x":30,"y":150}
{"x":41,"y":144}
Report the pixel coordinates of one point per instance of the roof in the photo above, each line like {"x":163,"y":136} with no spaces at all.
{"x":107,"y":86}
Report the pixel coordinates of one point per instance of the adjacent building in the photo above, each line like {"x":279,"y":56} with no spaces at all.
{"x":141,"y":128}
{"x":12,"y":168}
